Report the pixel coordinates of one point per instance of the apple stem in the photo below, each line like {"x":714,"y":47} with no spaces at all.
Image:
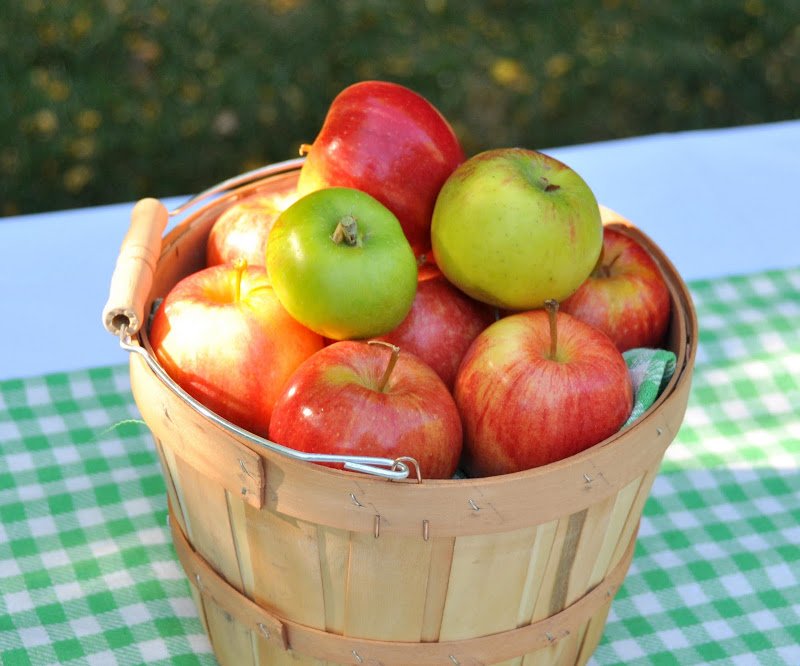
{"x":598,"y":267}
{"x":548,"y":186}
{"x":551,"y":305}
{"x":389,"y":366}
{"x":305,"y":148}
{"x":607,"y":267}
{"x":346,"y":232}
{"x":240,"y":266}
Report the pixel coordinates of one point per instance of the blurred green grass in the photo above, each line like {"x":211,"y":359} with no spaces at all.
{"x":111,"y":100}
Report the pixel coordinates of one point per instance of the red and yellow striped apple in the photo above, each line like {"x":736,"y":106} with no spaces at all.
{"x":241,"y":231}
{"x":626,"y":295}
{"x":224,"y":337}
{"x":360,"y":398}
{"x":536,"y":387}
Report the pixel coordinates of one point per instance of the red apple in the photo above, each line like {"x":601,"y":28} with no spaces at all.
{"x":441,"y":325}
{"x":224,"y":337}
{"x":241,"y":231}
{"x":625,"y":296}
{"x":391,"y":143}
{"x":360,"y":398}
{"x":536,"y":387}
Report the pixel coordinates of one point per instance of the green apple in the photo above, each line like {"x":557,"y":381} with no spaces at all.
{"x":341,"y":265}
{"x":515,"y":227}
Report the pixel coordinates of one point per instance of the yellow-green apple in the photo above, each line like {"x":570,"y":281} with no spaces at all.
{"x":625,"y":296}
{"x":360,"y":398}
{"x":340,"y":264}
{"x":441,"y":325}
{"x":536,"y":387}
{"x":515,"y":227}
{"x":224,"y":337}
{"x":388,"y":141}
{"x":242,"y":229}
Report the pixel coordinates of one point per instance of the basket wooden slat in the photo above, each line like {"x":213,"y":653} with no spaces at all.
{"x":286,"y":567}
{"x":312,"y":565}
{"x":565,"y":629}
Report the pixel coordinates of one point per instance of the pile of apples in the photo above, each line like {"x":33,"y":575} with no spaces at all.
{"x":408,"y":301}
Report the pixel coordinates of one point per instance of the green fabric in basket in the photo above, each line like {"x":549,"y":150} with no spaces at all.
{"x":650,"y":371}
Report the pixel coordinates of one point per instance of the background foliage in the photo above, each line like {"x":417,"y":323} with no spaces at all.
{"x":111,"y":100}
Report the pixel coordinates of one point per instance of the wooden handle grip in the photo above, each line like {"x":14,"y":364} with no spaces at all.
{"x":136,"y":264}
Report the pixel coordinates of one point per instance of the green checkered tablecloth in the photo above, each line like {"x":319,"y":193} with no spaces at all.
{"x":88,"y":574}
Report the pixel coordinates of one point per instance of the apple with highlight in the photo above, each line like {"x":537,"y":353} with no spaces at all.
{"x":626,"y":295}
{"x":536,"y":387}
{"x":515,"y":227}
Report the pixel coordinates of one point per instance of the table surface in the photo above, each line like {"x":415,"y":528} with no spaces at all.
{"x":87,"y":571}
{"x":718,"y":202}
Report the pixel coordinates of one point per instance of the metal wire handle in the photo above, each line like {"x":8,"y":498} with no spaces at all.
{"x":238,"y":181}
{"x":388,"y":468}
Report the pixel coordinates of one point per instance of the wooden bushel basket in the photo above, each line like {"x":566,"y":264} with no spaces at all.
{"x":296,"y":563}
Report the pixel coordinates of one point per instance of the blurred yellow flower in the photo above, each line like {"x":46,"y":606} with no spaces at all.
{"x":551,"y":96}
{"x":44,"y":121}
{"x":48,"y":33}
{"x":399,"y":65}
{"x":88,"y":120}
{"x":151,"y":109}
{"x":77,"y":177}
{"x":505,"y":71}
{"x":509,"y":73}
{"x":191,"y":92}
{"x":54,"y":88}
{"x":40,"y":77}
{"x":58,"y":91}
{"x":285,"y":6}
{"x":82,"y":148}
{"x":558,"y":64}
{"x":116,"y":6}
{"x":144,"y":49}
{"x":158,"y":15}
{"x":712,"y":96}
{"x":81,"y":24}
{"x":754,"y":7}
{"x":204,"y":59}
{"x":9,"y":161}
{"x":190,"y":126}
